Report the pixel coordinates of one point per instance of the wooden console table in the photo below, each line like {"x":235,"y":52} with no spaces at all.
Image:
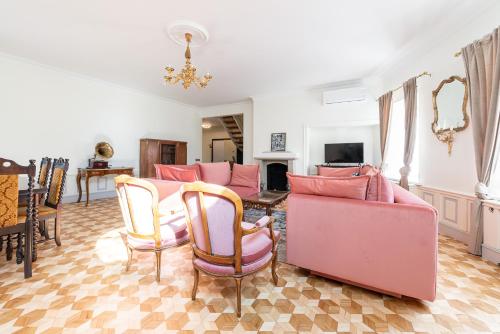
{"x":87,"y":173}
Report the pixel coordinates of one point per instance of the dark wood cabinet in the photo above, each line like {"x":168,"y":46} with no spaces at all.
{"x":157,"y":151}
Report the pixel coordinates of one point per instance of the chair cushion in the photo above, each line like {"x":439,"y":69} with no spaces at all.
{"x":229,"y":270}
{"x":216,"y":173}
{"x":243,"y":191}
{"x":42,"y":211}
{"x":256,"y":245}
{"x":245,"y":176}
{"x":344,"y":187}
{"x":173,"y":173}
{"x":9,"y":199}
{"x":173,"y":232}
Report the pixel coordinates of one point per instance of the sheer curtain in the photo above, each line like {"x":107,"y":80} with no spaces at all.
{"x":395,"y":145}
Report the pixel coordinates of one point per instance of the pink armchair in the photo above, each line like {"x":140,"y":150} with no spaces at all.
{"x":147,"y":229}
{"x":222,"y":245}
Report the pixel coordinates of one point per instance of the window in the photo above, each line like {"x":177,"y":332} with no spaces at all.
{"x":395,"y":145}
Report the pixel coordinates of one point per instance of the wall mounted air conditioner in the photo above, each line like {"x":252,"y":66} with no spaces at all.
{"x":344,"y":95}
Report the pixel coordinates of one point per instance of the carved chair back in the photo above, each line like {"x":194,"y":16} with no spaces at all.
{"x":9,"y":190}
{"x":138,"y":200}
{"x":214,"y":214}
{"x":43,"y":174}
{"x":57,"y":182}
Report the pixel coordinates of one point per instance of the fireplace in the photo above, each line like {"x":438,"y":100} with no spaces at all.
{"x":276,"y":176}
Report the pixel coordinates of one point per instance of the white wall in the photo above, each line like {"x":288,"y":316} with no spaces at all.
{"x":50,"y":112}
{"x":208,"y":135}
{"x":245,"y":108}
{"x":296,"y":113}
{"x":456,"y":172}
{"x":319,"y":136}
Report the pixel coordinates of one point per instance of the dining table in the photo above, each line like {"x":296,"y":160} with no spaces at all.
{"x":23,"y":194}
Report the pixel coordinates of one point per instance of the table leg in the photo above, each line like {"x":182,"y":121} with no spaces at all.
{"x":79,"y":186}
{"x":87,"y":189}
{"x":269,"y":211}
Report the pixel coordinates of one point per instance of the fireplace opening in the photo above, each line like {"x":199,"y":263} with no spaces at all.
{"x":276,"y":177}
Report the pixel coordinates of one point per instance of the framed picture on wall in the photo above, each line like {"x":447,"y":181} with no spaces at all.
{"x":278,"y":142}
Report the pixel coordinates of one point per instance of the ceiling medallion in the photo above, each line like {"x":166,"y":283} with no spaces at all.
{"x":188,"y":73}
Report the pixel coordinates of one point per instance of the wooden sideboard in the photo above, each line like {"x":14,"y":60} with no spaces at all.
{"x":158,"y":151}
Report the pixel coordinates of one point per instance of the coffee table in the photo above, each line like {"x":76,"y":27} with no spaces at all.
{"x":266,"y":199}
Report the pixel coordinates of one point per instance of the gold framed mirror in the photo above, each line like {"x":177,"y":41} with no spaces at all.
{"x":449,"y":101}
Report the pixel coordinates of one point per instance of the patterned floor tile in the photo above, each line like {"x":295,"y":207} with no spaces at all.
{"x":82,"y":287}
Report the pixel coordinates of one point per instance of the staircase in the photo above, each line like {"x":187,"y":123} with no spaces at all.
{"x":234,"y":128}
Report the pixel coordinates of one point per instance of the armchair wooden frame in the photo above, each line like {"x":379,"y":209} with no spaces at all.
{"x":9,"y":167}
{"x":235,"y":260}
{"x":127,"y":180}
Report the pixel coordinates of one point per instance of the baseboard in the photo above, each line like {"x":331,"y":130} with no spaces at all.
{"x":491,"y":254}
{"x":93,"y":196}
{"x":454,"y":233}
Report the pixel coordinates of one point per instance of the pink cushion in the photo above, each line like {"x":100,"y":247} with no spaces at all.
{"x":243,"y":191}
{"x":245,"y":176}
{"x":229,"y":270}
{"x":346,"y":187}
{"x":337,"y":172}
{"x":216,"y":173}
{"x":173,"y":231}
{"x":256,"y":245}
{"x":379,"y":188}
{"x":173,"y":173}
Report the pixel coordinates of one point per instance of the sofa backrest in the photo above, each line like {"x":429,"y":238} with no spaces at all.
{"x":216,"y":173}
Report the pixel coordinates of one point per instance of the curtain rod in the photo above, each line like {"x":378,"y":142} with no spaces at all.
{"x":418,"y":76}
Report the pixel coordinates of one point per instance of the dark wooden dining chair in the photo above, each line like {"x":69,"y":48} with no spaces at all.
{"x":43,"y":175}
{"x":11,"y":223}
{"x":51,"y":209}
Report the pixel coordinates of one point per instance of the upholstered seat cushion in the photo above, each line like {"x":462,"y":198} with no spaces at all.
{"x":256,"y":252}
{"x":173,"y":232}
{"x":229,"y":270}
{"x":243,"y":191}
{"x":42,"y":211}
{"x":256,"y":245}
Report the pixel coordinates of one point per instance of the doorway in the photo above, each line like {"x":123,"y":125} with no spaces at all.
{"x":222,"y":139}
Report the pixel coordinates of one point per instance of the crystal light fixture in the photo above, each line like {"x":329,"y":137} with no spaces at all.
{"x":188,"y":73}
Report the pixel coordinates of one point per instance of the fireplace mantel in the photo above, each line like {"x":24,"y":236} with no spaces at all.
{"x":276,"y":156}
{"x":267,"y":158}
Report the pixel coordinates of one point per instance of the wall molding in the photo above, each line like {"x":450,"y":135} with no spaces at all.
{"x":93,"y":196}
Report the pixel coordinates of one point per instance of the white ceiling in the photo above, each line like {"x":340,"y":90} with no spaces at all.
{"x":255,"y":47}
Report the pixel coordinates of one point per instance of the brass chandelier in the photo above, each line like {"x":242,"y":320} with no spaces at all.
{"x":188,"y":73}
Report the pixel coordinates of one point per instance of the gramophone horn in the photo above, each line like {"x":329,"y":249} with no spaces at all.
{"x":104,"y":150}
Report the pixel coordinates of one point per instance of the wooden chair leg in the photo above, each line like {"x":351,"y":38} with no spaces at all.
{"x":130,"y":253}
{"x":195,"y":283}
{"x":158,"y":265}
{"x":57,"y":230}
{"x":19,"y":249}
{"x":46,"y":230}
{"x":273,"y":268}
{"x":238,"y":297}
{"x":8,"y":250}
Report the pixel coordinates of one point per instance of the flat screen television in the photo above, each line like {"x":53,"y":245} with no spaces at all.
{"x":344,"y":153}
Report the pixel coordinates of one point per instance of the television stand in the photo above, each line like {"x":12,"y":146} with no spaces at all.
{"x":340,"y":165}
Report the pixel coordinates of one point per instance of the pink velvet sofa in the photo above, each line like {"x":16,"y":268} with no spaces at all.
{"x":387,"y":247}
{"x":244,"y":180}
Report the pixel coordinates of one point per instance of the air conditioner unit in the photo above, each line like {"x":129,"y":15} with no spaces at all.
{"x":343,"y":95}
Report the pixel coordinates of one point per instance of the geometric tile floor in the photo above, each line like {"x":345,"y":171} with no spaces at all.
{"x":82,"y":287}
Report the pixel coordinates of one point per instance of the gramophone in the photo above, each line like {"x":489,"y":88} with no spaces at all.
{"x":104,"y":151}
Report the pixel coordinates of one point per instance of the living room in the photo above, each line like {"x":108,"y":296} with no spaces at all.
{"x":364,"y":199}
